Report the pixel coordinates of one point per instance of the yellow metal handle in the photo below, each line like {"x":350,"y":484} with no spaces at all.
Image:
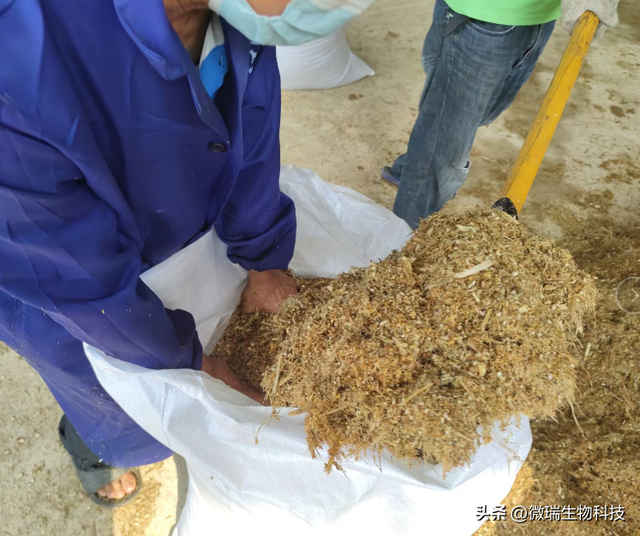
{"x":535,"y":146}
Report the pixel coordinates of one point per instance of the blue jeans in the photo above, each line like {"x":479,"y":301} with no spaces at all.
{"x":473,"y":74}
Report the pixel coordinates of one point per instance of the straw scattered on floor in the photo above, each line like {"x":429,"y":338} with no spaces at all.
{"x":473,"y":322}
{"x":601,"y":467}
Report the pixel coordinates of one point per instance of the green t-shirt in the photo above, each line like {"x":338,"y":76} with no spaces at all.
{"x":509,"y":12}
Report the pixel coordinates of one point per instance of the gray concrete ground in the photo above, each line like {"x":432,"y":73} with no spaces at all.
{"x":346,"y":135}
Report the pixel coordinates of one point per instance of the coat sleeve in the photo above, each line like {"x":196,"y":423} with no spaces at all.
{"x":62,"y":250}
{"x":258,"y":222}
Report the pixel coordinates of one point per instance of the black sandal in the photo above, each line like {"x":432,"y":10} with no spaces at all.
{"x":92,"y":473}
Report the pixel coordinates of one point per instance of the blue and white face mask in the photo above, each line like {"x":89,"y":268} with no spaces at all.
{"x":302,"y":20}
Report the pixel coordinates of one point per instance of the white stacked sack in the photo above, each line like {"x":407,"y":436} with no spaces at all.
{"x":321,"y":64}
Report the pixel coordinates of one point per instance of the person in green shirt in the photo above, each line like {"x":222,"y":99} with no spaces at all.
{"x":477,"y":55}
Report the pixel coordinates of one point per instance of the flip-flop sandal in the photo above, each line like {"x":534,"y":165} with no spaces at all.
{"x":92,"y":473}
{"x":387,"y":175}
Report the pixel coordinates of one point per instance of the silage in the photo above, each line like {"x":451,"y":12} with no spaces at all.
{"x":473,"y":322}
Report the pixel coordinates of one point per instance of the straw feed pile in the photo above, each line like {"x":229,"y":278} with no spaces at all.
{"x":473,"y":322}
{"x":598,"y":463}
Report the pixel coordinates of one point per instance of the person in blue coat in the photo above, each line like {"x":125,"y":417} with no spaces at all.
{"x":122,"y":140}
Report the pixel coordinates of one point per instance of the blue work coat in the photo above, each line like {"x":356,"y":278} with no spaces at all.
{"x":113,"y":158}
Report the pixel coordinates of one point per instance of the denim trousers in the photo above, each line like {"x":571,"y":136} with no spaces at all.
{"x":474,"y":72}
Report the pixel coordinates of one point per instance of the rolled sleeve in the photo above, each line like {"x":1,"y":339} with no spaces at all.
{"x":258,"y":222}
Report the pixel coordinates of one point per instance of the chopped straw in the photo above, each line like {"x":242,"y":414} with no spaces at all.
{"x":472,"y":323}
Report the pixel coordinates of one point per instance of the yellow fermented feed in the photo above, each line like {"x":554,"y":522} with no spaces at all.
{"x":473,"y":322}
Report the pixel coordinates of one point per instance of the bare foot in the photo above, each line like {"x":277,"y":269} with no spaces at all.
{"x":119,"y":489}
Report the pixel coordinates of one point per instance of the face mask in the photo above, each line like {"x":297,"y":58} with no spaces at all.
{"x":301,"y":21}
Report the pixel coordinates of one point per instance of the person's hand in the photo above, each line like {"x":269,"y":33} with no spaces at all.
{"x":220,"y":370}
{"x":606,"y":10}
{"x":267,"y":291}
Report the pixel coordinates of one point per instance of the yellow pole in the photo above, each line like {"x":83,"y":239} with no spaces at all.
{"x":535,"y":146}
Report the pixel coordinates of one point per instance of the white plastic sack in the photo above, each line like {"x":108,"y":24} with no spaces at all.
{"x":238,"y":486}
{"x":321,"y":64}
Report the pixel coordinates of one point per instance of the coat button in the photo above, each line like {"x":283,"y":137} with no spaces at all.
{"x":217,"y":147}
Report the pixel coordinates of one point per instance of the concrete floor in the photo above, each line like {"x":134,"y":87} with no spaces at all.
{"x":346,"y":135}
